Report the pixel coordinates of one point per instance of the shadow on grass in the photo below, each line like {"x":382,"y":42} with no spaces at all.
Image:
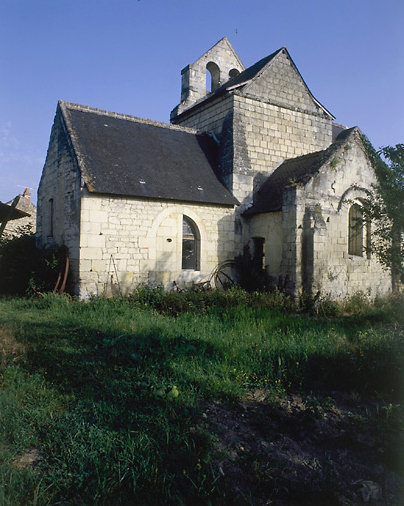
{"x":124,"y":435}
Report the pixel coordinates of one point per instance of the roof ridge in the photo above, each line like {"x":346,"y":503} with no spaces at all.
{"x":127,"y":117}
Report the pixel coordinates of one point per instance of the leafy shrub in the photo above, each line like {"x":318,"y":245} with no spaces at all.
{"x":26,"y":269}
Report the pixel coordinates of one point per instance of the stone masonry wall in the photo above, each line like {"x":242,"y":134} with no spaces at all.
{"x":255,"y":137}
{"x":209,"y":116}
{"x":266,"y":134}
{"x":269,"y":227}
{"x":281,"y":84}
{"x":319,"y":213}
{"x":194,"y":76}
{"x":125,"y":242}
{"x":60,"y":182}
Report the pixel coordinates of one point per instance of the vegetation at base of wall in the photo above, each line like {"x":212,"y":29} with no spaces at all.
{"x":109,"y":401}
{"x":26,"y":269}
{"x":201,"y":302}
{"x":249,"y":273}
{"x":384,"y":208}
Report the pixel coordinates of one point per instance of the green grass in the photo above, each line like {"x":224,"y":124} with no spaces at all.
{"x":90,"y":385}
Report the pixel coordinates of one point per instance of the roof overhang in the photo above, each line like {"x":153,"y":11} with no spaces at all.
{"x":8,"y":213}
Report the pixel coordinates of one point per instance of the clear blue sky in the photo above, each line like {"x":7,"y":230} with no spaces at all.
{"x":127,"y":55}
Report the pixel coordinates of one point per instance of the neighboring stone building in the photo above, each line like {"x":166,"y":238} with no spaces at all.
{"x":253,"y":160}
{"x":26,"y":221}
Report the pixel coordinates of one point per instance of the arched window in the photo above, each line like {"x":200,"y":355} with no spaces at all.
{"x":214,"y":71}
{"x":233,"y":73}
{"x":355,"y":230}
{"x":190,"y":245}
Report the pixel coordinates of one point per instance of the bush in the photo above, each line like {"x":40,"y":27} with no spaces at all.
{"x":26,"y":269}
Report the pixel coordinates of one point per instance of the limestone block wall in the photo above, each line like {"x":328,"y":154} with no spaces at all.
{"x":58,"y":204}
{"x":258,"y":136}
{"x":255,"y":137}
{"x":125,"y":242}
{"x":265,"y":134}
{"x":209,"y":116}
{"x":269,"y":227}
{"x":290,"y":274}
{"x":221,"y":61}
{"x":281,"y":83}
{"x":320,"y":214}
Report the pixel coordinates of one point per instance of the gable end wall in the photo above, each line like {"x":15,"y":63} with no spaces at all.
{"x":60,"y":181}
{"x":321,"y":220}
{"x":282,"y":84}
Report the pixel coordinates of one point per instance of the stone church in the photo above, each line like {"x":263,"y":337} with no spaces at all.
{"x":251,"y":162}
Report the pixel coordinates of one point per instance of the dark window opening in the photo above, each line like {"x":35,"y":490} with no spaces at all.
{"x":355,"y":241}
{"x":259,"y":253}
{"x":190,"y":245}
{"x":233,"y":73}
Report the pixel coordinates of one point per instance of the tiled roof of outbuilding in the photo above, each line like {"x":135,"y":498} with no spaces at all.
{"x":8,"y":212}
{"x":295,"y":171}
{"x":124,"y":155}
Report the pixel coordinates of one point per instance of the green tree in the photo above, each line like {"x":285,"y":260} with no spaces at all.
{"x":384,"y":207}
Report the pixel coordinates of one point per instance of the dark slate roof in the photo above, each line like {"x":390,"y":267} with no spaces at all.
{"x":291,"y":172}
{"x":123,"y":155}
{"x":10,"y":213}
{"x":248,"y":73}
{"x":337,"y":130}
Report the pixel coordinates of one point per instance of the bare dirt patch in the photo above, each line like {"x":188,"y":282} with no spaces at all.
{"x":10,"y":348}
{"x":28,"y":458}
{"x":342,"y":450}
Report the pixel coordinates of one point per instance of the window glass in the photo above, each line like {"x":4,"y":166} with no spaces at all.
{"x":355,"y":244}
{"x":190,"y":245}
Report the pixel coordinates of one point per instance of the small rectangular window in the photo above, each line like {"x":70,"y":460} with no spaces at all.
{"x":259,"y":253}
{"x":51,"y":217}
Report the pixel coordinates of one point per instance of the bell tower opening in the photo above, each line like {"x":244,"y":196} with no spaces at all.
{"x":212,"y":77}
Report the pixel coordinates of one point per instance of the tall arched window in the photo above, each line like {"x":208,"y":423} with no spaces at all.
{"x":355,"y":232}
{"x":190,"y":245}
{"x":214,"y":71}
